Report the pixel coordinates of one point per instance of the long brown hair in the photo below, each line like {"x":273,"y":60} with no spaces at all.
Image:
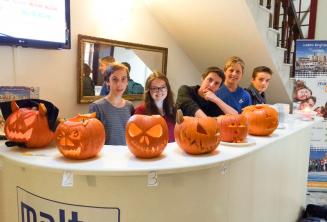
{"x":168,"y":104}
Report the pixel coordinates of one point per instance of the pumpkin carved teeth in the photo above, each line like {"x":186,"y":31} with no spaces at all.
{"x":72,"y":152}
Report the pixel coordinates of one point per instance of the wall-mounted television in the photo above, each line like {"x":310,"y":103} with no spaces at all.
{"x":38,"y":24}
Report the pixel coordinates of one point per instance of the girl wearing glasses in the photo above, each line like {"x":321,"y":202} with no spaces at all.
{"x":158,"y":100}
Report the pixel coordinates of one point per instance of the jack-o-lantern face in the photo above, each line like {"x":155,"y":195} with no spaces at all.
{"x":262,"y":119}
{"x":81,"y":137}
{"x":233,"y":128}
{"x":196,"y":135}
{"x":146,"y":136}
{"x":29,"y":126}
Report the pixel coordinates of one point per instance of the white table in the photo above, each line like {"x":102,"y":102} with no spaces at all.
{"x":261,"y":182}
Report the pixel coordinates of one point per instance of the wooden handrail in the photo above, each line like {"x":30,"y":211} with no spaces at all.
{"x":286,"y":20}
{"x":289,"y":26}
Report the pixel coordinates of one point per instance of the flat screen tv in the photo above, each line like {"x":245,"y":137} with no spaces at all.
{"x":38,"y":24}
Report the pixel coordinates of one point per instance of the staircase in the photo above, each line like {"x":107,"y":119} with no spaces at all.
{"x":210,"y":31}
{"x":270,"y":36}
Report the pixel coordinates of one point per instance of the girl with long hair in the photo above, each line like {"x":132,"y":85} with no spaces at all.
{"x":158,"y":100}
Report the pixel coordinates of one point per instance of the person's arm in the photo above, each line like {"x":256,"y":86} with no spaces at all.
{"x":210,"y":96}
{"x":200,"y":113}
{"x":186,"y":103}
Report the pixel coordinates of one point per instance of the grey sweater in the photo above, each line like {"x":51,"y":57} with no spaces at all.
{"x":114,"y":119}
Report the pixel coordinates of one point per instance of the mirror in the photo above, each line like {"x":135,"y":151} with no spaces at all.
{"x":143,"y":59}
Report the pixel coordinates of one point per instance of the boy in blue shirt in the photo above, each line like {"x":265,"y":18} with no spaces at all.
{"x":230,"y":92}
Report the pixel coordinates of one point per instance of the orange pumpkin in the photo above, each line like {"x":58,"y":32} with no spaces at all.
{"x":29,"y":126}
{"x":80,"y":137}
{"x":146,"y":136}
{"x":262,"y":119}
{"x":233,"y":128}
{"x":196,"y":135}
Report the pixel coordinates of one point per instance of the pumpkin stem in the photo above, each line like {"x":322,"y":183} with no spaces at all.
{"x":42,"y":109}
{"x":87,"y":115}
{"x":14,"y":106}
{"x":179,"y":116}
{"x":85,"y":121}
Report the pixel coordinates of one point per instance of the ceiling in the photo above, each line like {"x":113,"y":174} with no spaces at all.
{"x":210,"y":31}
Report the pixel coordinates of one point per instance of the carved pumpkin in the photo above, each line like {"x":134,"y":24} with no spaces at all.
{"x":29,"y":126}
{"x":196,"y":135}
{"x":233,"y":128}
{"x":146,"y":136}
{"x":80,"y":137}
{"x":262,"y":119}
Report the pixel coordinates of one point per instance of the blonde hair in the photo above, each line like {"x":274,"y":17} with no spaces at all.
{"x":107,"y":60}
{"x":234,"y":60}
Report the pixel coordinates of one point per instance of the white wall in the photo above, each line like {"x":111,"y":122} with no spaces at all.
{"x":55,"y":71}
{"x":321,"y":31}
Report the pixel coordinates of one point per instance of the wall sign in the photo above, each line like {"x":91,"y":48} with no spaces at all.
{"x":33,"y":208}
{"x":310,"y":94}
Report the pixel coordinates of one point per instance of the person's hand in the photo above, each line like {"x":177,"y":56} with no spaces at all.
{"x":209,"y":95}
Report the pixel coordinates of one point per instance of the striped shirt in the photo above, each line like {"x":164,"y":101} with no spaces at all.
{"x":114,"y":119}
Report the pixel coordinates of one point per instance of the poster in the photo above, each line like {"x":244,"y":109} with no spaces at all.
{"x":8,"y":93}
{"x":310,"y":94}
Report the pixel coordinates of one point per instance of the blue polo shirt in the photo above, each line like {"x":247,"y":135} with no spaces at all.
{"x":238,"y":99}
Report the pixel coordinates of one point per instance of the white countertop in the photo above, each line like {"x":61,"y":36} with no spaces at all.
{"x":119,"y":161}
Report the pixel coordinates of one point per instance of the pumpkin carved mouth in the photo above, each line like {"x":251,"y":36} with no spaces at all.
{"x":18,"y":135}
{"x":72,"y":151}
{"x":148,"y":149}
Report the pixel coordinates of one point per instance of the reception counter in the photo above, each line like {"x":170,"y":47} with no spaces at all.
{"x":261,"y":180}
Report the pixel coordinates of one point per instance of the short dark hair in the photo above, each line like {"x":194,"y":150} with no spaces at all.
{"x":216,"y":70}
{"x":258,"y":69}
{"x":313,"y":98}
{"x":127,"y":65}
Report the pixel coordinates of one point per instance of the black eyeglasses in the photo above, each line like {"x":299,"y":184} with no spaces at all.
{"x":158,"y":89}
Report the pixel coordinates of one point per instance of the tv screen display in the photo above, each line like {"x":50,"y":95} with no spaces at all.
{"x":35,"y":23}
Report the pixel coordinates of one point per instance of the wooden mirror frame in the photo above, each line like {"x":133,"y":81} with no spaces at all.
{"x":82,"y":39}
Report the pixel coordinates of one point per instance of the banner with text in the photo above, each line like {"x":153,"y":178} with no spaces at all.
{"x":310,"y":94}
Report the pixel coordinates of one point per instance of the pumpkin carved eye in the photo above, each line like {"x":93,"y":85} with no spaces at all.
{"x":75,"y":134}
{"x":133,"y":130}
{"x":155,"y":131}
{"x":200,"y":129}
